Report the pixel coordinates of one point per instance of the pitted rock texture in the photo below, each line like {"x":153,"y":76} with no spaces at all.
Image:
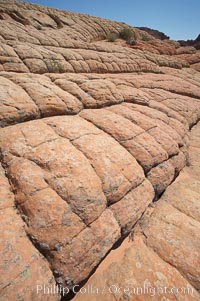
{"x":22,"y":266}
{"x":91,"y":134}
{"x":162,"y":251}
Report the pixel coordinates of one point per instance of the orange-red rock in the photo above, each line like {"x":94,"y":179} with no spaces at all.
{"x":91,"y":133}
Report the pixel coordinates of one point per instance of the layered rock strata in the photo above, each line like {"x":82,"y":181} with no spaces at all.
{"x":91,"y":134}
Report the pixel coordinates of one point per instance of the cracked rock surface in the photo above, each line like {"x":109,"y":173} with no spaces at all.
{"x":91,"y":134}
{"x":162,"y":250}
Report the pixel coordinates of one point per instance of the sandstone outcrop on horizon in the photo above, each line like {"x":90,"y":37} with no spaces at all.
{"x":92,"y":133}
{"x":194,"y":43}
{"x":155,"y":33}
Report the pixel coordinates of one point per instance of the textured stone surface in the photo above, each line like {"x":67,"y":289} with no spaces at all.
{"x":139,"y":273}
{"x":91,"y":132}
{"x":22,"y":266}
{"x":161,"y":252}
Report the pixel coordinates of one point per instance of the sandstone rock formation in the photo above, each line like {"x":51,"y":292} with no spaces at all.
{"x":155,"y":33}
{"x":91,"y":134}
{"x":195,"y":43}
{"x":162,"y":250}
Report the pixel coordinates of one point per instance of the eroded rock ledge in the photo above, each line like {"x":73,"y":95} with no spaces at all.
{"x":91,"y":134}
